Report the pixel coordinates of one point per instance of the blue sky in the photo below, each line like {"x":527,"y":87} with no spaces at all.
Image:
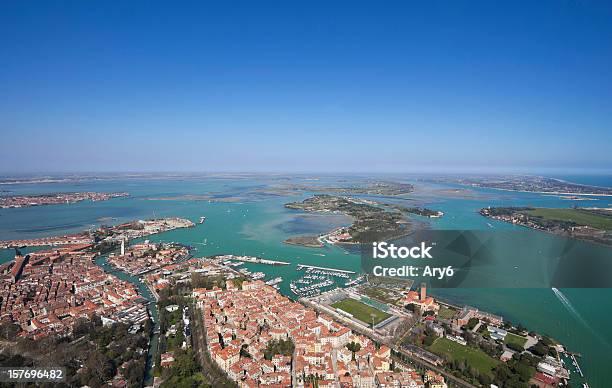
{"x":305,"y":86}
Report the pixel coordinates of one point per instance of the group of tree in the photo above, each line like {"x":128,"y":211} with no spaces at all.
{"x":544,"y":347}
{"x":471,"y":324}
{"x":462,"y":369}
{"x":284,"y":347}
{"x":92,"y":355}
{"x":185,"y":372}
{"x":516,"y":372}
{"x":199,"y":280}
{"x":115,"y":350}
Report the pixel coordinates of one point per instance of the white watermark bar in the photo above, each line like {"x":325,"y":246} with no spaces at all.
{"x":32,"y":375}
{"x":490,"y":259}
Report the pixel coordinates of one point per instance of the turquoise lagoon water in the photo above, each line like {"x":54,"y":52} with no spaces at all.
{"x":258,"y":223}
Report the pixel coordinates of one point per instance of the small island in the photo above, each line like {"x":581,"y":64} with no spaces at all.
{"x":18,"y":201}
{"x":378,"y":188}
{"x":371,"y":221}
{"x":105,"y":237}
{"x":305,"y":241}
{"x":532,"y":184}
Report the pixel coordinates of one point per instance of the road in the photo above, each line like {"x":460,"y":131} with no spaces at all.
{"x":215,"y":376}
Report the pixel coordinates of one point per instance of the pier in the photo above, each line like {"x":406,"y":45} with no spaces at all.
{"x":252,"y":259}
{"x":302,"y":266}
{"x":575,"y":362}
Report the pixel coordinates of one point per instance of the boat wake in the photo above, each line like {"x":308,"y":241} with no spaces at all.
{"x":570,"y":307}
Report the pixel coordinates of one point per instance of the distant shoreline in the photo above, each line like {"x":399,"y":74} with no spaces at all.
{"x":547,"y":192}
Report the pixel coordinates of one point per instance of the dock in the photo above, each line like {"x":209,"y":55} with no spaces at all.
{"x":302,"y":266}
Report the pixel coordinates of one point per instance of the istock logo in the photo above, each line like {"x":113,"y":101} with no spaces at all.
{"x":383,"y":250}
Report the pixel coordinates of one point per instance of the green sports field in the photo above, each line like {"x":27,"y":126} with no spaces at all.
{"x":361,"y":311}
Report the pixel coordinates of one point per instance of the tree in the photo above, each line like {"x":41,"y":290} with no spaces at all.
{"x":471,"y":323}
{"x":502,"y":373}
{"x":539,"y":349}
{"x":524,"y":371}
{"x":185,"y":364}
{"x":100,"y":365}
{"x":429,"y":340}
{"x":484,"y":379}
{"x":514,"y":346}
{"x":9,"y":330}
{"x":244,"y":351}
{"x":134,"y":372}
{"x":547,"y":341}
{"x":82,"y":327}
{"x":353,"y":346}
{"x":97,"y":321}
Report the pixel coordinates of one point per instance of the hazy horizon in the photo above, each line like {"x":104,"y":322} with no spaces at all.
{"x":554,"y":173}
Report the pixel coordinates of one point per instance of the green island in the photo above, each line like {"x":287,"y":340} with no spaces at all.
{"x":371,"y":222}
{"x":419,"y":211}
{"x":589,"y":224}
{"x":531,"y":184}
{"x":596,"y":218}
